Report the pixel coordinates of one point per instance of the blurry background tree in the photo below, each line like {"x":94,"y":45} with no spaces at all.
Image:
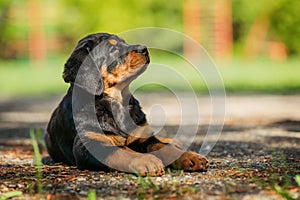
{"x":71,"y":19}
{"x":6,"y":32}
{"x":285,"y":20}
{"x":281,"y":17}
{"x":79,"y":17}
{"x":264,"y":29}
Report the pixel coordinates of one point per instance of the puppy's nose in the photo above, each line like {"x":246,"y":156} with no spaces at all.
{"x":142,"y":50}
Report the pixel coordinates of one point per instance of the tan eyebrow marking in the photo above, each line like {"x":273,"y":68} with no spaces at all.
{"x":113,"y":41}
{"x":121,"y":38}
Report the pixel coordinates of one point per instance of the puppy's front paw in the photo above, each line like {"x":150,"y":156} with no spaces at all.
{"x":191,"y":161}
{"x":147,"y":164}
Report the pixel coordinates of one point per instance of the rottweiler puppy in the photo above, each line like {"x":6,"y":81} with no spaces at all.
{"x":99,"y":125}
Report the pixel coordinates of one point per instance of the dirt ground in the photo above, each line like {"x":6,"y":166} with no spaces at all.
{"x":259,"y":147}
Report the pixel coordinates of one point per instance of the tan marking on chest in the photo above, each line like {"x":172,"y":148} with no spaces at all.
{"x":141,"y":133}
{"x":112,"y":139}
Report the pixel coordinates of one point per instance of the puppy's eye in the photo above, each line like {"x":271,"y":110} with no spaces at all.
{"x":113,"y":49}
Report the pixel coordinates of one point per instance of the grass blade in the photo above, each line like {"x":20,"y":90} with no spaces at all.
{"x":92,"y":195}
{"x":38,"y":161}
{"x":283,"y":193}
{"x":297,"y":179}
{"x":10,"y":195}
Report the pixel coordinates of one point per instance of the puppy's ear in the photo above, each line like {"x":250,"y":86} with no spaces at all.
{"x":81,"y":69}
{"x":74,"y":62}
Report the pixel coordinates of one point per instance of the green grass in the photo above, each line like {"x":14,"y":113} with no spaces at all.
{"x":147,"y":187}
{"x":92,"y":195}
{"x":19,"y":78}
{"x":261,"y":76}
{"x":284,"y":193}
{"x":35,"y":137}
{"x":9,"y":195}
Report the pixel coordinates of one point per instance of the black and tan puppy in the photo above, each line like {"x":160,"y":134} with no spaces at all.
{"x":99,"y":125}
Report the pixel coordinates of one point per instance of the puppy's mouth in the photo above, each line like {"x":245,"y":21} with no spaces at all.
{"x":121,"y":72}
{"x":138,"y":58}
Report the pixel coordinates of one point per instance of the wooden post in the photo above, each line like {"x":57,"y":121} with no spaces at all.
{"x":256,"y":37}
{"x":191,"y":23}
{"x":36,"y":40}
{"x":223,"y":28}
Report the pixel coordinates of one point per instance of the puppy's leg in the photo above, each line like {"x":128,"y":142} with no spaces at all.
{"x":112,"y":155}
{"x":54,"y":151}
{"x":172,"y":155}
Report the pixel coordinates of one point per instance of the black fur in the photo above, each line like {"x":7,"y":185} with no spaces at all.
{"x":62,"y":139}
{"x":91,"y":124}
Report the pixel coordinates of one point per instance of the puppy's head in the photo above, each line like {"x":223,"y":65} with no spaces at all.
{"x":103,"y":62}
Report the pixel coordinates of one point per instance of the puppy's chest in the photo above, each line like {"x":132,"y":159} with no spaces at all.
{"x":127,"y":123}
{"x":138,"y":134}
{"x":113,"y":111}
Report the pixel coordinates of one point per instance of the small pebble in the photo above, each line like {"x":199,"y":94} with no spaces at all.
{"x":83,"y":193}
{"x":68,"y":188}
{"x":4,"y":189}
{"x":20,"y":185}
{"x":81,"y":179}
{"x":12,"y":186}
{"x":72,"y":192}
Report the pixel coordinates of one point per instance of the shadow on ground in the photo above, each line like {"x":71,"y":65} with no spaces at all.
{"x":247,"y":160}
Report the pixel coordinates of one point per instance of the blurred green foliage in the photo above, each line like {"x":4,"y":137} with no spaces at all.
{"x":243,"y":15}
{"x":13,"y":27}
{"x":4,"y":23}
{"x":69,"y":20}
{"x":259,"y":76}
{"x":80,"y":17}
{"x":283,"y":16}
{"x":285,"y":22}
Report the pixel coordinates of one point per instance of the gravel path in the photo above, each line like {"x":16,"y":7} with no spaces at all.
{"x":258,"y":148}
